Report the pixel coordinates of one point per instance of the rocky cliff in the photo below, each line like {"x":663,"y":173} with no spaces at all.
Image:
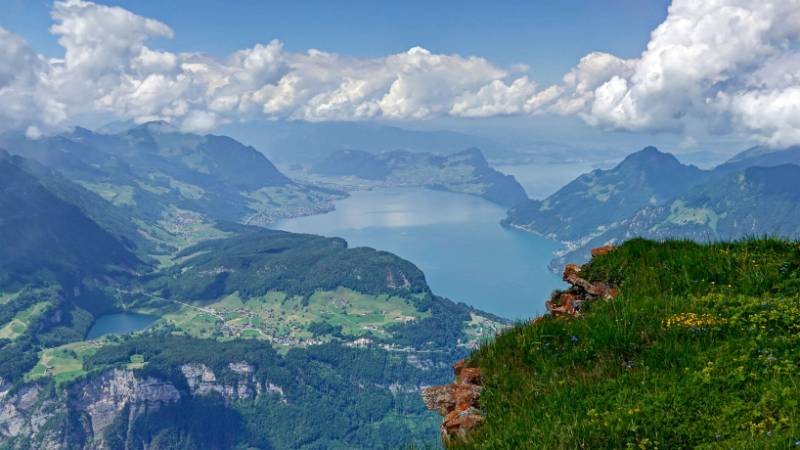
{"x":35,"y":416}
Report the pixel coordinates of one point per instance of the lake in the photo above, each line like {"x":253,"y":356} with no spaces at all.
{"x":455,"y":239}
{"x":119,"y":323}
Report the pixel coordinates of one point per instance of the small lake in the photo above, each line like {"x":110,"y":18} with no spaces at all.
{"x":455,"y":239}
{"x":119,"y":323}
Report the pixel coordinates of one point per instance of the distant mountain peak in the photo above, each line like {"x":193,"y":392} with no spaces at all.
{"x":157,"y":126}
{"x":650,"y":155}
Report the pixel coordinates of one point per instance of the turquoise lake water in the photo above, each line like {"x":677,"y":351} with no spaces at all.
{"x":455,"y":239}
{"x":119,"y":323}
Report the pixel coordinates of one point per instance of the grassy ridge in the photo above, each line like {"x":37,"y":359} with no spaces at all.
{"x":700,"y":350}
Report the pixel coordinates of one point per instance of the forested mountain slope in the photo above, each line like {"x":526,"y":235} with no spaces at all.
{"x":262,"y":339}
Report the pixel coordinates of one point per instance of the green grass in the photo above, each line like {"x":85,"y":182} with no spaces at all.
{"x":22,"y":320}
{"x":65,"y":363}
{"x":119,"y":195}
{"x":275,"y":315}
{"x":700,"y":350}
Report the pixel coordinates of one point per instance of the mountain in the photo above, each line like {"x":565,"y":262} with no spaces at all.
{"x":466,"y":172}
{"x":758,"y":201}
{"x":261,"y":338}
{"x":354,"y":163}
{"x":695,"y":351}
{"x":594,"y":201}
{"x":166,"y":180}
{"x":298,"y":142}
{"x":760,"y":157}
{"x":40,"y":232}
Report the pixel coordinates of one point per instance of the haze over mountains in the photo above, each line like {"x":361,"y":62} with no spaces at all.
{"x":258,"y":225}
{"x":651,"y":194}
{"x":326,"y":344}
{"x":465,"y":172}
{"x":266,"y":327}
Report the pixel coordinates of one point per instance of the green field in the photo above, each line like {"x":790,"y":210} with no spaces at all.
{"x":286,"y":320}
{"x":120,"y":195}
{"x":177,"y":230}
{"x":22,"y":320}
{"x":64,"y":363}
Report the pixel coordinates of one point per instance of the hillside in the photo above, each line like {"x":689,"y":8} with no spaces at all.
{"x":758,"y":201}
{"x":167,"y":180}
{"x":43,"y":236}
{"x":594,"y":201}
{"x":760,"y":157}
{"x":260,"y":338}
{"x":465,"y":172}
{"x":698,"y":350}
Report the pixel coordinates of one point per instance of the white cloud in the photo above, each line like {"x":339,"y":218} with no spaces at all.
{"x":108,"y":70}
{"x":719,"y":62}
{"x":728,"y":65}
{"x":100,"y":38}
{"x":496,"y":98}
{"x":33,"y":132}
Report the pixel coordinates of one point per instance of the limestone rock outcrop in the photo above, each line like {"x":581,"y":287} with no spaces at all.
{"x":457,"y":402}
{"x":108,"y":395}
{"x":33,"y":413}
{"x":203,"y":381}
{"x":568,"y":303}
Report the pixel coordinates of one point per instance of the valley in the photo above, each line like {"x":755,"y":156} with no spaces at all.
{"x":254,"y":225}
{"x":170,"y":260}
{"x":222,"y":290}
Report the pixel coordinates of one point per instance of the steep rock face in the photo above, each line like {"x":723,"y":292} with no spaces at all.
{"x":36,"y":417}
{"x":20,"y":412}
{"x":105,"y":397}
{"x":203,"y":381}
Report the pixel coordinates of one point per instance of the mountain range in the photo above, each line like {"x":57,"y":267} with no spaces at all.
{"x":297,"y":142}
{"x":465,"y":172}
{"x":651,"y":194}
{"x":167,"y":180}
{"x":260,"y":338}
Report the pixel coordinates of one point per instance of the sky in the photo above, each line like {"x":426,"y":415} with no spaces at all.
{"x":544,"y":34}
{"x":692,"y":74}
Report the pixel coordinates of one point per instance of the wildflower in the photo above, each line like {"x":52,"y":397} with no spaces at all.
{"x":574,"y":339}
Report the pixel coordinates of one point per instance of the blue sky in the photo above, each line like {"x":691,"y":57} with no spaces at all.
{"x":549,"y":36}
{"x":684,"y":74}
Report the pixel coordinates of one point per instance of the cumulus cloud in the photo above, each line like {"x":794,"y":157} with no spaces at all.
{"x":108,"y":70}
{"x":729,"y":65}
{"x":726,"y":63}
